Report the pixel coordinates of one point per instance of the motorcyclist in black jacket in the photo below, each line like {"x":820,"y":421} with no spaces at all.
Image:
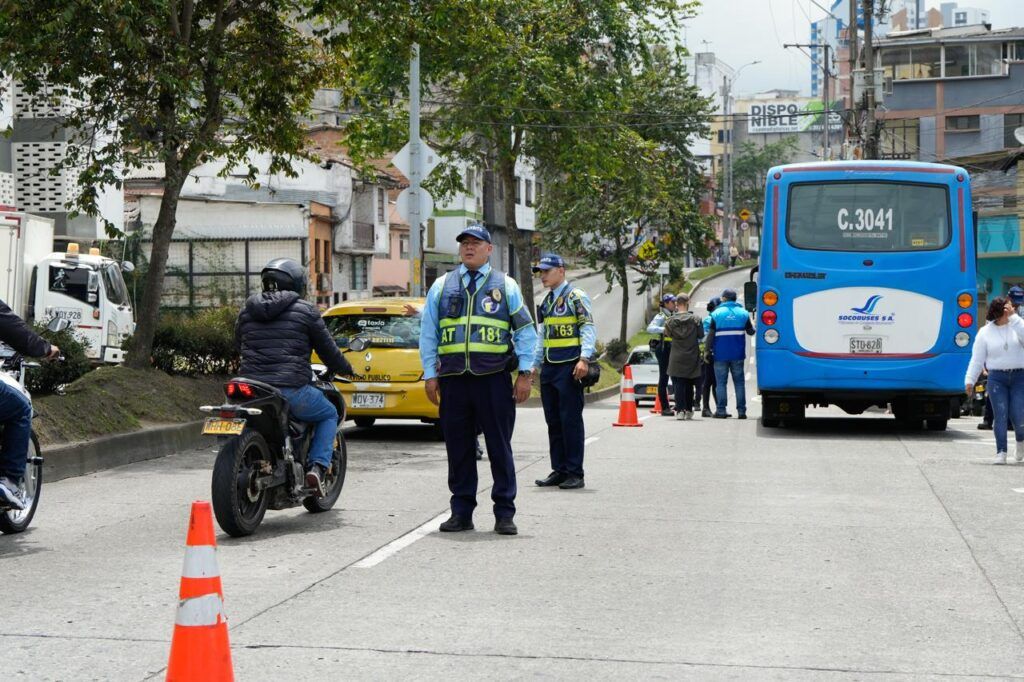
{"x":276,"y":332}
{"x":15,"y":408}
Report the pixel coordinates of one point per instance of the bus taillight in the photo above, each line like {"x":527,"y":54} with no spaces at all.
{"x":769,"y":317}
{"x":965,"y":300}
{"x":770,"y":298}
{"x":965,"y":320}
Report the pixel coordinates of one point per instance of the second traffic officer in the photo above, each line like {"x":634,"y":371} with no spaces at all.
{"x":564,"y":358}
{"x":473,"y":318}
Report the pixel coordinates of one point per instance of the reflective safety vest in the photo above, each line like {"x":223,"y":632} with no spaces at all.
{"x":476,"y":330}
{"x":730,"y":331}
{"x":561,"y":318}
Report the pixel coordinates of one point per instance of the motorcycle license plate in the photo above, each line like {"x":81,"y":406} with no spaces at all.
{"x":368,"y":400}
{"x":223,"y":427}
{"x":866,"y":345}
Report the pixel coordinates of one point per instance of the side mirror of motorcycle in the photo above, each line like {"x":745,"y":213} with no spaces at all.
{"x":358,"y":344}
{"x":58,"y":324}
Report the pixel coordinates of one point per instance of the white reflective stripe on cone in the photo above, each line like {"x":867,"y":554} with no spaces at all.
{"x":200,"y":562}
{"x":205,"y":610}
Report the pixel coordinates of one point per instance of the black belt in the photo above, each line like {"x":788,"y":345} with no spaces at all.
{"x":1015,"y":369}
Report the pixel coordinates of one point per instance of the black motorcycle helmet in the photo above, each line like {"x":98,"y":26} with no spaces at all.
{"x":284,"y":274}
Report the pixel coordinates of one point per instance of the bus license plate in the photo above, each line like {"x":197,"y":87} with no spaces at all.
{"x":223,"y":427}
{"x":866,"y":344}
{"x":368,"y":400}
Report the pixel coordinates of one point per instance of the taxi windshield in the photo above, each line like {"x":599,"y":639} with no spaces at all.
{"x":382,"y":330}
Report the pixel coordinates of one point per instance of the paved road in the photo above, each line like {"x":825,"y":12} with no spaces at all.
{"x":702,"y":550}
{"x":608,"y":306}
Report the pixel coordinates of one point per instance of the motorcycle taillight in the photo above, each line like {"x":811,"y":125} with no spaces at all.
{"x":239,"y":389}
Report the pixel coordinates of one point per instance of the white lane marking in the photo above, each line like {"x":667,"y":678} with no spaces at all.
{"x":401,"y":543}
{"x":1017,"y":490}
{"x":646,"y":417}
{"x":592,"y":439}
{"x":597,"y":296}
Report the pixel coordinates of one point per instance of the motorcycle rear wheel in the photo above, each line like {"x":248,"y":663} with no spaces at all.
{"x":239,"y":509}
{"x":335,"y":479}
{"x":12,"y":521}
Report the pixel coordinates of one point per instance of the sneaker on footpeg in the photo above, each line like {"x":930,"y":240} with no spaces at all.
{"x":315,"y":479}
{"x":11,"y":494}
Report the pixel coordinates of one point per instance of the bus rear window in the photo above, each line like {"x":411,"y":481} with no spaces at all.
{"x":868,"y":216}
{"x":382,"y":330}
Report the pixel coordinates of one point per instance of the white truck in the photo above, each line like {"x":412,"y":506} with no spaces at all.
{"x":85,"y":289}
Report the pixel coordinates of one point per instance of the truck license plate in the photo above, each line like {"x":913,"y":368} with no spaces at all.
{"x":368,"y":400}
{"x":866,"y":345}
{"x":223,"y":427}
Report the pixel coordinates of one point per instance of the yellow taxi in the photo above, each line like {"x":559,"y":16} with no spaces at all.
{"x":389,"y":378}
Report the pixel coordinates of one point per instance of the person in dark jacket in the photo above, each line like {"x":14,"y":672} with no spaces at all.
{"x":276,"y":332}
{"x":707,"y":368}
{"x":684,"y":361}
{"x":15,"y":408}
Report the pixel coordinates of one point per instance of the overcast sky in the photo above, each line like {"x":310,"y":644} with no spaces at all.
{"x":740,"y":31}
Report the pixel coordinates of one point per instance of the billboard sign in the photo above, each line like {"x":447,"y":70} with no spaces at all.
{"x":789,"y":116}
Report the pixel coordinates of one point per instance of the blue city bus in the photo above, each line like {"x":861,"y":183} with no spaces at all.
{"x":866,"y":290}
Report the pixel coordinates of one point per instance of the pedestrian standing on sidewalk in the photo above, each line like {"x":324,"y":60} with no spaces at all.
{"x":474,"y":331}
{"x":661,"y":348}
{"x":707,"y":365}
{"x":729,"y":323}
{"x":999,"y":347}
{"x":686,"y":330}
{"x":564,"y":356}
{"x":734,"y":253}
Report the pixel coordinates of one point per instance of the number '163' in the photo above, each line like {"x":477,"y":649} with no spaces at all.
{"x":865,"y":219}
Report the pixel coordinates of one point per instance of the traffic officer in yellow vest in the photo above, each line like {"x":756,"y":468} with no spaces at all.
{"x":474,"y":331}
{"x":568,"y":346}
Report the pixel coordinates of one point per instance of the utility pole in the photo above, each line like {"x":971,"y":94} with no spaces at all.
{"x":415,"y":175}
{"x":851,"y":41}
{"x":870,"y":134}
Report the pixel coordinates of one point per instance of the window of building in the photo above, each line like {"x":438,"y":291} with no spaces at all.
{"x":360,"y":271}
{"x":959,"y":18}
{"x":1010,"y":123}
{"x":900,"y":139}
{"x":926,"y":62}
{"x":403,"y":246}
{"x":896,"y":63}
{"x":1015,"y":51}
{"x":529,"y":192}
{"x":316,"y":255}
{"x":982,"y":59}
{"x":963,"y":123}
{"x":381,"y":203}
{"x":326,"y":265}
{"x":431,"y":233}
{"x":519,"y":190}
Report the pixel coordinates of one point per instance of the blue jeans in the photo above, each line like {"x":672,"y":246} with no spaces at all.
{"x":307,"y":403}
{"x":16,"y":416}
{"x":723,"y":368}
{"x":1006,"y":390}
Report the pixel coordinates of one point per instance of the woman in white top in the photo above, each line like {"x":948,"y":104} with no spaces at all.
{"x":999,"y":347}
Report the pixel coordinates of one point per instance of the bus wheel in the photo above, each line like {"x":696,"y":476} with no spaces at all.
{"x":937,"y":424}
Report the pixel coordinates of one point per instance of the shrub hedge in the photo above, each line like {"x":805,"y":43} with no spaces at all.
{"x":50,"y":376}
{"x":196,"y":344}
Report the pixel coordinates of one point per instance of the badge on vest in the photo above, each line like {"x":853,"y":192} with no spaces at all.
{"x":560,"y":307}
{"x":496,"y":295}
{"x":489,"y":304}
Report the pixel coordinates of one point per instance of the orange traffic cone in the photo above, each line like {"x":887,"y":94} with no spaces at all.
{"x":199,"y":648}
{"x":627,"y":403}
{"x":657,"y":405}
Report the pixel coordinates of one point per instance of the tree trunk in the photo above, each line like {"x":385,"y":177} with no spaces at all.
{"x":148,"y":313}
{"x":623,"y":277}
{"x":521,"y":242}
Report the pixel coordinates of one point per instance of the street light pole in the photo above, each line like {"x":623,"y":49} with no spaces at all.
{"x":415,"y":175}
{"x":729,"y":228}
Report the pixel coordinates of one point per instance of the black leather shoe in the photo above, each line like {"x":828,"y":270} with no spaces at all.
{"x":985,"y":426}
{"x":742,"y":416}
{"x":705,"y":412}
{"x":505,"y":527}
{"x":554,"y":478}
{"x":456,"y":524}
{"x":572,"y":483}
{"x":721,"y":416}
{"x":668,"y":413}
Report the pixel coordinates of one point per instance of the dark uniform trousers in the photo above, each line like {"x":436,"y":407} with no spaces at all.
{"x":562,"y":397}
{"x":468,"y":400}
{"x":662,"y":353}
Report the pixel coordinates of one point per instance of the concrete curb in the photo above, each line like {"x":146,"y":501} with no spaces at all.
{"x":77,"y":459}
{"x":588,"y":398}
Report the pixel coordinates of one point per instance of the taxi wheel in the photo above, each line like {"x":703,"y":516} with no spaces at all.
{"x":364,"y":422}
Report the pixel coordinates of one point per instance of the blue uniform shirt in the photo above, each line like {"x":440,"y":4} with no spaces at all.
{"x":524,"y":339}
{"x":588,"y":333}
{"x":657,"y":325}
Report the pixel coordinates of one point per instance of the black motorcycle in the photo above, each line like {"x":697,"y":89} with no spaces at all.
{"x":264,"y":452}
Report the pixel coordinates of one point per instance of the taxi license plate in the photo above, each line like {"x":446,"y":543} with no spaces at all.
{"x":867,"y":345}
{"x":368,"y":400}
{"x":651,"y":390}
{"x":223,"y":427}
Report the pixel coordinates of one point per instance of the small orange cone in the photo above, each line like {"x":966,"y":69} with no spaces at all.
{"x":627,"y":403}
{"x":199,"y":648}
{"x":657,"y":405}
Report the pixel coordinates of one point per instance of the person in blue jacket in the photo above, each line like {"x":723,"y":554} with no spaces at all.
{"x":730,"y":324}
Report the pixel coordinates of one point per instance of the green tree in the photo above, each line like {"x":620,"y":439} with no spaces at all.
{"x":180,"y":82}
{"x":750,"y":168}
{"x":504,"y":79}
{"x":618,"y":181}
